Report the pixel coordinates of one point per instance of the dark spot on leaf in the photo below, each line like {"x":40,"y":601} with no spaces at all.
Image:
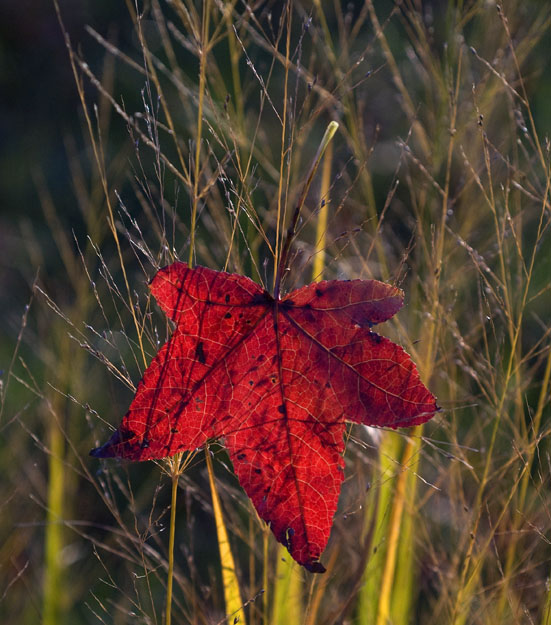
{"x":227,"y":316}
{"x":261,"y":358}
{"x":327,"y":385}
{"x":200,"y":353}
{"x":174,"y":430}
{"x":258,"y":471}
{"x":319,"y":292}
{"x":282,"y":409}
{"x":227,"y":298}
{"x":251,"y":382}
{"x":273,"y":379}
{"x":241,"y":456}
{"x":145,"y":444}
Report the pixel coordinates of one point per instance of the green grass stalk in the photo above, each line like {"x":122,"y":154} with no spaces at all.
{"x":175,"y":472}
{"x":405,"y":575}
{"x":377,"y":506}
{"x":394,"y":528}
{"x":203,"y":49}
{"x":546,"y":614}
{"x":287,"y":607}
{"x":53,"y":571}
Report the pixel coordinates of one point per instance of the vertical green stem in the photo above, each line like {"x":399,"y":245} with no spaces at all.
{"x":393,"y":537}
{"x":54,"y":539}
{"x":546,"y":616}
{"x":175,"y":475}
{"x":378,"y":503}
{"x":265,"y":560}
{"x":321,"y":224}
{"x":202,"y":82}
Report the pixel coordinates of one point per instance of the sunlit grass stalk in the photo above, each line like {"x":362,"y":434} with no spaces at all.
{"x":265,"y":572}
{"x":394,"y":528}
{"x":53,"y":569}
{"x":287,"y":593}
{"x":546,"y":614}
{"x":403,"y":583}
{"x":232,"y":594}
{"x":377,"y":506}
{"x":175,"y":472}
{"x":321,"y":222}
{"x":203,"y":48}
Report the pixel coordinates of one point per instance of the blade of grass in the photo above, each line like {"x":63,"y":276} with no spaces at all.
{"x":394,"y":528}
{"x":403,"y":588}
{"x":53,"y":572}
{"x":202,"y":83}
{"x":321,"y":222}
{"x":546,"y":614}
{"x":175,"y":472}
{"x":287,"y":594}
{"x":232,"y":594}
{"x":378,"y":503}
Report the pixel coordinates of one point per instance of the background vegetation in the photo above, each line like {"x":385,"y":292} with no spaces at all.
{"x":132,"y":136}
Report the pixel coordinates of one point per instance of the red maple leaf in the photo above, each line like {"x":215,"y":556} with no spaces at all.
{"x":275,"y":379}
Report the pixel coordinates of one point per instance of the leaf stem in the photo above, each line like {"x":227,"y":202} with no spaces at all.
{"x":292,"y":230}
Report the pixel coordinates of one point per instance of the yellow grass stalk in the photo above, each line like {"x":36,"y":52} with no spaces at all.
{"x":321,"y":224}
{"x":377,"y":505}
{"x":288,"y":608}
{"x":53,"y":571}
{"x":232,"y":594}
